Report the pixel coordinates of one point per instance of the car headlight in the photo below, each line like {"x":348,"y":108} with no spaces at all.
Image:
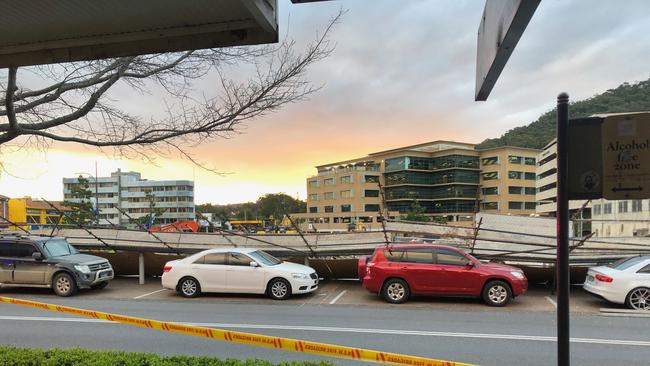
{"x":519,"y":275}
{"x":301,"y":276}
{"x":83,"y":269}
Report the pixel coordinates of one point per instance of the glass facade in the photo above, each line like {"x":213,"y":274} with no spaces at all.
{"x":438,"y":163}
{"x":433,"y":178}
{"x":454,"y":191}
{"x":436,"y":207}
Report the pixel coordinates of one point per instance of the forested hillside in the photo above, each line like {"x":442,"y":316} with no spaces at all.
{"x":625,"y":98}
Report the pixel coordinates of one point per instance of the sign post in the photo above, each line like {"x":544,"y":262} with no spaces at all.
{"x":562,"y":249}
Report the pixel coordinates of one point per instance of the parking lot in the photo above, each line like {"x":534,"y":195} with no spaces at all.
{"x":330,"y":293}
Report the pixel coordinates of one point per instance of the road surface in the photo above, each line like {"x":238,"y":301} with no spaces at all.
{"x":494,"y":337}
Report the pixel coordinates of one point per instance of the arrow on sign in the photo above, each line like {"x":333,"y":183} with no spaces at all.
{"x":627,"y":189}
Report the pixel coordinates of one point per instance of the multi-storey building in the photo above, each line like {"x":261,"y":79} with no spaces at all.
{"x":127,"y":191}
{"x":546,"y":197}
{"x":508,"y":180}
{"x":444,"y":177}
{"x":620,"y":218}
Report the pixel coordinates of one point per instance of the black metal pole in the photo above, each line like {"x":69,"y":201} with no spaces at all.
{"x":562,"y":261}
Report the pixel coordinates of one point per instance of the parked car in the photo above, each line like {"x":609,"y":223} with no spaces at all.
{"x":626,"y":281}
{"x":34,"y":261}
{"x":238,"y":270}
{"x":398,"y":271}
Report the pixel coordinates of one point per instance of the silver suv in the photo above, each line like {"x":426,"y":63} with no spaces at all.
{"x":33,"y":261}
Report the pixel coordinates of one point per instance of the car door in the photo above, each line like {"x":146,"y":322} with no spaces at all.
{"x":241,"y":277}
{"x":420,"y":270}
{"x":457,"y":277}
{"x":6,"y":262}
{"x":210,"y":270}
{"x":28,"y":270}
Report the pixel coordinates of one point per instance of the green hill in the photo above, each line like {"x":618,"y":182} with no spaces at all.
{"x":625,"y":98}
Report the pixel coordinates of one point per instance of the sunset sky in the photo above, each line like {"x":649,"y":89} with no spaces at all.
{"x":403,"y":72}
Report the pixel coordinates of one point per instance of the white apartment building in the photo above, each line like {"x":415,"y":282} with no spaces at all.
{"x":546,"y":183}
{"x":128,"y":192}
{"x":621,"y":218}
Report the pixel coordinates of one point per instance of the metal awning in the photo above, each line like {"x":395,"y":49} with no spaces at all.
{"x":44,"y":31}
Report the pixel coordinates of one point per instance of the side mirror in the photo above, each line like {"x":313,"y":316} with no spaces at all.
{"x":254,"y":264}
{"x":38,"y":256}
{"x":471,"y":264}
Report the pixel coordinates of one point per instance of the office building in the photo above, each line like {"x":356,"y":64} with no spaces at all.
{"x":445,"y":178}
{"x":128,"y":192}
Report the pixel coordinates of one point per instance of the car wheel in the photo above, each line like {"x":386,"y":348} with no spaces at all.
{"x":99,"y":285}
{"x":396,"y":291}
{"x":64,"y":285}
{"x":189,"y":287}
{"x":497,"y":293}
{"x":279,"y":289}
{"x":639,"y":299}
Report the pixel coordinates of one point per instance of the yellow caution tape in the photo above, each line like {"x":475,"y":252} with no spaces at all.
{"x":287,"y":344}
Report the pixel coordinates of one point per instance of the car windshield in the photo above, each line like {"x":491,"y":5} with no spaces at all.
{"x":265,"y":258}
{"x":58,"y":248}
{"x":625,"y":263}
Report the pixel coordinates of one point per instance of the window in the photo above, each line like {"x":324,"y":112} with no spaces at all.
{"x":329,"y":195}
{"x":513,"y":174}
{"x":515,"y":190}
{"x":23,"y":250}
{"x":346,"y":179}
{"x":622,"y":206}
{"x":394,"y":255}
{"x":530,"y":161}
{"x":530,"y":205}
{"x":529,"y":176}
{"x":371,"y":178}
{"x":212,"y":258}
{"x":329,"y":208}
{"x":607,"y":208}
{"x":328,"y":181}
{"x":645,"y":269}
{"x":371,"y":208}
{"x":625,"y":263}
{"x":313,"y":196}
{"x":346,"y":208}
{"x":346,"y":194}
{"x":238,"y":259}
{"x":313,"y":210}
{"x":418,"y":255}
{"x":371,"y":193}
{"x":31,"y":219}
{"x":490,"y":191}
{"x":313,"y":184}
{"x":596,"y":209}
{"x":492,"y":160}
{"x":530,"y":190}
{"x":450,"y":257}
{"x":515,"y":159}
{"x":515,"y":205}
{"x":489,"y":205}
{"x":490,"y":175}
{"x":637,"y":205}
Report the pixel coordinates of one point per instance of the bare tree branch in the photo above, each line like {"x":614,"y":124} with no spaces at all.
{"x":78,"y":106}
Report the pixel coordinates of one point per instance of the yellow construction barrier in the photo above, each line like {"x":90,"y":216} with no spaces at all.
{"x":287,"y":344}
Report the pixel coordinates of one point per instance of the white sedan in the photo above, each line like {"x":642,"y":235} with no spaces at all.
{"x":238,"y":270}
{"x":626,"y":281}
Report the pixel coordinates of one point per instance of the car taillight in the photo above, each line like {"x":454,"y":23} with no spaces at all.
{"x":603,"y":278}
{"x":167,"y":269}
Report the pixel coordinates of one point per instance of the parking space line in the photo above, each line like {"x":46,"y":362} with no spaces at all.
{"x":334,"y":300}
{"x":150,"y":293}
{"x":551,"y":301}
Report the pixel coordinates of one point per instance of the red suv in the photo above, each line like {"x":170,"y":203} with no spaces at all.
{"x":401,"y":270}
